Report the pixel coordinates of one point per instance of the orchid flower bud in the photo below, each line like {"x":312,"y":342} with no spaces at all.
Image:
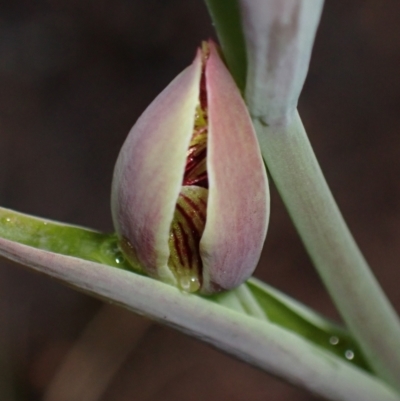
{"x":190,"y":198}
{"x":279,"y":36}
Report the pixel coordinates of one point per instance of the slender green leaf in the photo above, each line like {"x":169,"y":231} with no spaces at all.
{"x":290,"y":314}
{"x":226,"y":18}
{"x":258,"y":342}
{"x":61,"y":238}
{"x":262,"y":301}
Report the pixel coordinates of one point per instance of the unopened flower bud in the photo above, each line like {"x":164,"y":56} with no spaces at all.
{"x":190,"y":197}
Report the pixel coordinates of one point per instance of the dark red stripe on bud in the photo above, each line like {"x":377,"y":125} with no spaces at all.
{"x":196,"y":161}
{"x":186,"y":230}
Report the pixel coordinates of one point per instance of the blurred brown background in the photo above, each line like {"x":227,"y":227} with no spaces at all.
{"x":74,"y":77}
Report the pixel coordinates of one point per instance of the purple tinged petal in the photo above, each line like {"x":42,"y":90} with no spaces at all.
{"x":148,"y":180}
{"x":149,"y":170}
{"x":238,"y":199}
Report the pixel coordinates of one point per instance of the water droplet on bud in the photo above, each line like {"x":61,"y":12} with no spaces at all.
{"x":189,"y":283}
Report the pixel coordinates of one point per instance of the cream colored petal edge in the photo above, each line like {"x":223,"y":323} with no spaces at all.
{"x":149,"y":171}
{"x":238,"y":200}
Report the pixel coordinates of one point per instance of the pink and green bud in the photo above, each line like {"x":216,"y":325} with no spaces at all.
{"x":190,"y":197}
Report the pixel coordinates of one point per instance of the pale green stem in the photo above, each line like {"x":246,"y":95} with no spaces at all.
{"x":354,"y":289}
{"x":242,"y":300}
{"x":231,"y":301}
{"x":299,"y":309}
{"x":97,"y":247}
{"x":250,"y":304}
{"x":260,"y":343}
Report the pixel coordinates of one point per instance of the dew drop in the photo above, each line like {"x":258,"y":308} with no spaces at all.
{"x":8,"y":219}
{"x":117,"y":255}
{"x":189,"y":283}
{"x":349,"y":354}
{"x":334,"y":340}
{"x":110,"y":252}
{"x":119,"y":259}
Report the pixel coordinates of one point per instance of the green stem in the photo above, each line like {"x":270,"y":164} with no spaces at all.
{"x":355,"y":291}
{"x":290,"y":314}
{"x":226,"y":17}
{"x":250,"y":303}
{"x":230,"y":300}
{"x":242,"y":300}
{"x":260,"y":343}
{"x":254,"y":298}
